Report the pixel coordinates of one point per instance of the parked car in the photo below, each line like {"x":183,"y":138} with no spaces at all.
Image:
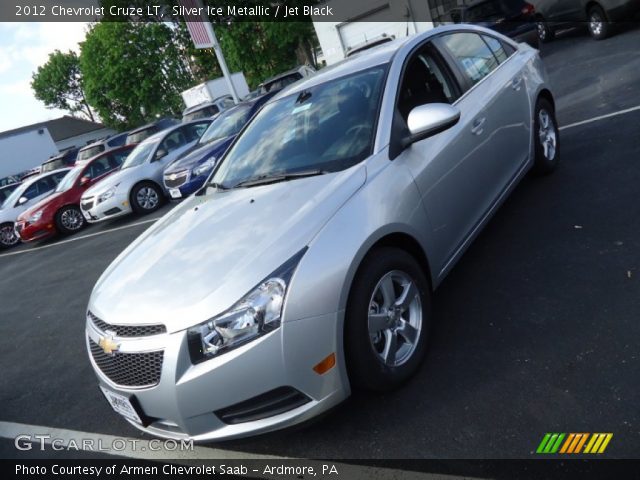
{"x":137,"y":187}
{"x":30,"y":173}
{"x":30,"y":192}
{"x":95,"y":148}
{"x":188,"y":173}
{"x":6,"y":190}
{"x":366,"y":45}
{"x":141,"y":133}
{"x":9,"y":180}
{"x":208,"y":109}
{"x":306,"y":266}
{"x":514,"y":18}
{"x":60,"y":212}
{"x":598,"y":15}
{"x":64,"y":159}
{"x":277,"y":83}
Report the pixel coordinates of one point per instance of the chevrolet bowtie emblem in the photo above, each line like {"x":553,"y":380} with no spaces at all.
{"x":173,"y":176}
{"x":108,"y":345}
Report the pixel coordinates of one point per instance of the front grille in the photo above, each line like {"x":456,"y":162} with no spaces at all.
{"x":127,"y":330}
{"x":86,"y":204}
{"x":274,"y":402}
{"x":129,"y":369}
{"x":174,"y":180}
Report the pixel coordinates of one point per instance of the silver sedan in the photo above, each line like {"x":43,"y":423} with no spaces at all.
{"x":306,"y":265}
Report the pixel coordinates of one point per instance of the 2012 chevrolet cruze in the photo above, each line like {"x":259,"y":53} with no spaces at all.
{"x":306,"y":264}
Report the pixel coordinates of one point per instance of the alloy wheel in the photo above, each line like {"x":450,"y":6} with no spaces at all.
{"x":596,"y":24}
{"x":8,"y":236}
{"x":72,"y":219}
{"x":147,"y":198}
{"x":395,"y":318}
{"x":547,"y":134}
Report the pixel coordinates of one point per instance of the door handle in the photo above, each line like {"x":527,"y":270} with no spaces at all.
{"x":478,"y":125}
{"x":516,"y":83}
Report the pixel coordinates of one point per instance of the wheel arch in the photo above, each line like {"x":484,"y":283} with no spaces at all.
{"x":547,"y":95}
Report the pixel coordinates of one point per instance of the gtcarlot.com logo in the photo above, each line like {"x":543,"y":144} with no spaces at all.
{"x":564,"y":443}
{"x":44,"y":441}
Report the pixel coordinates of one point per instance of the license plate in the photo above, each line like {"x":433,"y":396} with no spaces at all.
{"x":86,"y":215}
{"x":175,"y":193}
{"x":122,"y":405}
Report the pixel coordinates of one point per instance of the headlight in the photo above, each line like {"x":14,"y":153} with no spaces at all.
{"x":200,"y":169}
{"x":108,"y":194}
{"x":256,"y":314}
{"x":36,"y":216}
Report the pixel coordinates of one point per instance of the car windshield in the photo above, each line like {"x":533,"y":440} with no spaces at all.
{"x":139,"y":154}
{"x":90,"y":152}
{"x":17,"y":193}
{"x":69,"y":179}
{"x":54,"y":165}
{"x":328,"y":127}
{"x":227,"y":124}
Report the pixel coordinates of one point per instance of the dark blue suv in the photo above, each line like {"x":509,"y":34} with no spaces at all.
{"x":187,"y":174}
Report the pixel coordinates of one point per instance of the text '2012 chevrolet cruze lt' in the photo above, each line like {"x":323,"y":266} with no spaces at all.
{"x":306,"y":263}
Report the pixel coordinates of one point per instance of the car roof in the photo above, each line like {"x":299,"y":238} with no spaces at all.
{"x":202,"y":105}
{"x":35,"y":178}
{"x":161,"y":134}
{"x":148,"y":125}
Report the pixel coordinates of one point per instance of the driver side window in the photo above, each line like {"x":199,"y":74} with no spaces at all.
{"x":425,"y":80}
{"x":175,"y":140}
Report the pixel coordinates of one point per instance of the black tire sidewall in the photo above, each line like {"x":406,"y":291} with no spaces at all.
{"x":134,"y":198}
{"x":61,"y":228}
{"x":366,"y":370}
{"x":2,"y":245}
{"x":541,"y":164}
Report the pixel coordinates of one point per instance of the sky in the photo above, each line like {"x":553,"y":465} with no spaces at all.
{"x":23,"y":48}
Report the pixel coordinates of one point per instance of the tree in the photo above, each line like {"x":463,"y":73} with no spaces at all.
{"x":133,"y":72}
{"x":58,"y":83}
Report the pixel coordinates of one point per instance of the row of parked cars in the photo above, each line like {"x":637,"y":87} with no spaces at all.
{"x":133,"y":172}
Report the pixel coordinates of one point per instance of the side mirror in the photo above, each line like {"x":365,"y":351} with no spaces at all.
{"x":161,"y":152}
{"x":22,"y":200}
{"x":430,"y":119}
{"x":84,"y":181}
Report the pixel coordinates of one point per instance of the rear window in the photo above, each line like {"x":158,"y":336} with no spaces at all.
{"x":89,"y":152}
{"x":54,"y":165}
{"x":139,"y":136}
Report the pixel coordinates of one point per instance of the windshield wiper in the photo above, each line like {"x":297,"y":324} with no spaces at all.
{"x":277,"y":177}
{"x":219,"y":186}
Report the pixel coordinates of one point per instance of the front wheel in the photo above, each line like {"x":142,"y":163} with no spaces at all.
{"x":599,"y":27}
{"x":69,"y":220}
{"x":546,"y":138}
{"x":8,"y":237}
{"x":146,"y":198}
{"x":387,"y":320}
{"x":545,"y":32}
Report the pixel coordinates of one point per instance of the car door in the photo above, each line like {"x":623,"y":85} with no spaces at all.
{"x":34,"y":193}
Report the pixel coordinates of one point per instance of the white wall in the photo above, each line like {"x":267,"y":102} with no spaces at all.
{"x":25,"y":150}
{"x":81,"y":140}
{"x":335,"y":37}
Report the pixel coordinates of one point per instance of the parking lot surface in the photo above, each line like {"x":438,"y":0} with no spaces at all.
{"x":535,"y":330}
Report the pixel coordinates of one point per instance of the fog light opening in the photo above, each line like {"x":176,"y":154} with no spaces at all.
{"x":325,"y":365}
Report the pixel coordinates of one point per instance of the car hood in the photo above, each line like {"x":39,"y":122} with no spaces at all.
{"x":111,"y":180}
{"x":200,"y":154}
{"x":211,"y":250}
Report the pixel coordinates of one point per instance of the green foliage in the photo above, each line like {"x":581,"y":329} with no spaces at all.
{"x":133,"y":72}
{"x":58,"y":84}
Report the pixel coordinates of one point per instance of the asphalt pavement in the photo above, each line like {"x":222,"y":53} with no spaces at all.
{"x":536,"y":329}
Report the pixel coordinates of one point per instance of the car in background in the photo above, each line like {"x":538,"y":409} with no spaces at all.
{"x":6,"y":190}
{"x":188,"y":173}
{"x":139,"y":134}
{"x":32,"y":172}
{"x":277,"y":83}
{"x":137,"y":186}
{"x":9,"y":180}
{"x":95,"y":148}
{"x":29,"y":193}
{"x":62,"y":160}
{"x":60,"y":212}
{"x":374,"y":42}
{"x":598,"y":15}
{"x":306,"y":266}
{"x":208,"y":109}
{"x":514,"y":18}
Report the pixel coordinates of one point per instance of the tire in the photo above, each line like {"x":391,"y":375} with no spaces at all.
{"x":146,"y":197}
{"x":546,"y":137}
{"x":69,"y":220}
{"x":598,"y":24}
{"x":8,"y":237}
{"x":545,"y":32}
{"x":365,"y":346}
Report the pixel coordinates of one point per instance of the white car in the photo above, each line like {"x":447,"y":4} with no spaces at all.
{"x":26,"y":195}
{"x":137,"y":186}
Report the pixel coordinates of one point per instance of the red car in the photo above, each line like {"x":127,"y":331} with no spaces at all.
{"x":60,"y":212}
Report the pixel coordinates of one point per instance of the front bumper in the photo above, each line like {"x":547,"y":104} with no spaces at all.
{"x":30,"y":232}
{"x":183,"y":184}
{"x":113,"y":207}
{"x":188,"y":399}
